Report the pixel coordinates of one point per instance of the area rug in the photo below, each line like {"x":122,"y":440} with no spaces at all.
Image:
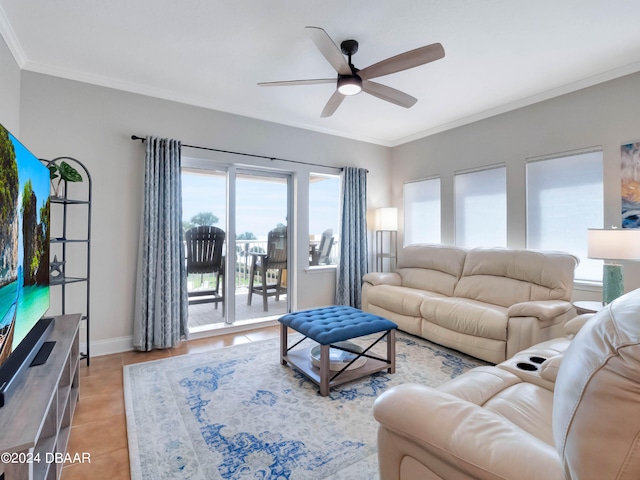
{"x":237,"y":413}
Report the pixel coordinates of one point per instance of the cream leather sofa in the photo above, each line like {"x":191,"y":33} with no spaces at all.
{"x":490,"y":423}
{"x":489,"y":303}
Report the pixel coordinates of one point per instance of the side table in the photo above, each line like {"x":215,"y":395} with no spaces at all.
{"x":587,"y":307}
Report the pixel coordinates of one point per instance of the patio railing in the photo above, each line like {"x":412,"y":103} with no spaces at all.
{"x":244,"y":248}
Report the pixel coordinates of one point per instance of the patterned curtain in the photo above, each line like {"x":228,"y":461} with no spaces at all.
{"x":352,"y":260}
{"x":161,"y":294}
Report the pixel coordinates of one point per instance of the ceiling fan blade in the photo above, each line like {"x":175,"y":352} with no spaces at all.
{"x":329,"y":50}
{"x":315,"y":81}
{"x":389,"y":94}
{"x":404,"y":61}
{"x":333,"y":104}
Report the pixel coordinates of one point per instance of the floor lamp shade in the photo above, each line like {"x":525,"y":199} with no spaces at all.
{"x":387,"y":218}
{"x":610,"y":245}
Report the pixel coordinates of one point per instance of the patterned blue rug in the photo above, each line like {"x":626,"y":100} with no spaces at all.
{"x":236,"y":413}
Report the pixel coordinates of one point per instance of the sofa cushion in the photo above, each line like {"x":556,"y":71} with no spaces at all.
{"x":528,"y":406}
{"x":471,"y":317}
{"x":505,"y":277}
{"x":402,"y":300}
{"x":435,"y":268}
{"x":524,"y":404}
{"x":597,"y":396}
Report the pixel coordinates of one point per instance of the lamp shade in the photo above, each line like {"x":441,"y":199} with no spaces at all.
{"x":614,"y":244}
{"x":387,"y":218}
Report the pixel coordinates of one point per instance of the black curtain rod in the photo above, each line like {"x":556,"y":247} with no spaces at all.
{"x":135,"y":137}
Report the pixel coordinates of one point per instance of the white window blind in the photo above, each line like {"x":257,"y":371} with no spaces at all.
{"x":564,"y":199}
{"x":422,"y":211}
{"x":481,"y":208}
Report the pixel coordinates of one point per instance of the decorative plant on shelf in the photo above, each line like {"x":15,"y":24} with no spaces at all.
{"x":65,"y":172}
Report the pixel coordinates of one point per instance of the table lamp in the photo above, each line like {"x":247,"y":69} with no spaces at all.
{"x":611,"y":245}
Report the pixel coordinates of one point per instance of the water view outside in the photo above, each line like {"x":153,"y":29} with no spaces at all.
{"x":260,"y":203}
{"x":204,"y":191}
{"x":324,"y":216}
{"x":261,"y":206}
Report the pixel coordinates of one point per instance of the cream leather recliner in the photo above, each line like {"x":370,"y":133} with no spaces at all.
{"x":489,"y":423}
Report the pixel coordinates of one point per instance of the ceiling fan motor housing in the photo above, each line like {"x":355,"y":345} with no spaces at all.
{"x":349,"y":47}
{"x":349,"y":84}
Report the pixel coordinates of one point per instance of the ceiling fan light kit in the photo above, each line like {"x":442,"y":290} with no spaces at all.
{"x":349,"y":84}
{"x":352,"y":81}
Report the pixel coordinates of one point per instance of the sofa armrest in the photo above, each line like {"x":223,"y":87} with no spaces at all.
{"x":574,"y":325}
{"x":549,"y":368}
{"x":542,"y":309}
{"x":378,"y":278}
{"x":472,"y":439}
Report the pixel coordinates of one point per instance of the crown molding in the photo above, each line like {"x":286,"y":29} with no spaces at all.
{"x":99,"y":80}
{"x":204,"y":103}
{"x":524,"y":102}
{"x":10,"y":38}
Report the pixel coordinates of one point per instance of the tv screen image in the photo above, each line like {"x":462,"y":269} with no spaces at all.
{"x":24,"y":243}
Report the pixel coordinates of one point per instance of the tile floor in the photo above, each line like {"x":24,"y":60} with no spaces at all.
{"x":99,"y":424}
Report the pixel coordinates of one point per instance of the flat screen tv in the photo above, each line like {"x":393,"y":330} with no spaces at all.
{"x":24,"y":260}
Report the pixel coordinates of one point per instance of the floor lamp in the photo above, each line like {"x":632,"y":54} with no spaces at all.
{"x":611,"y":245}
{"x":386,"y":223}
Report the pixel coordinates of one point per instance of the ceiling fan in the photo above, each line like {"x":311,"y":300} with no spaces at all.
{"x":352,"y":81}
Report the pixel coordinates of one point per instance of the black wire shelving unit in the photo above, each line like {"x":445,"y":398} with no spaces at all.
{"x":66,"y":245}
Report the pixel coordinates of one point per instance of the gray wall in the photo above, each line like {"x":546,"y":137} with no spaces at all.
{"x":9,"y":90}
{"x":57,"y":117}
{"x":604,"y":115}
{"x":94,"y":124}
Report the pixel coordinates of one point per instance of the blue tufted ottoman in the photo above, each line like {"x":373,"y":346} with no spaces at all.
{"x":328,"y":326}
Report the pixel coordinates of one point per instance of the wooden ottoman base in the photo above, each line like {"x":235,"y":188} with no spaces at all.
{"x":322,"y":375}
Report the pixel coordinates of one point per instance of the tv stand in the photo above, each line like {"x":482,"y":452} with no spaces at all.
{"x":36,"y":420}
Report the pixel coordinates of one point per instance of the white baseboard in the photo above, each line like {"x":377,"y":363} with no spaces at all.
{"x":125,"y":344}
{"x":106,"y":347}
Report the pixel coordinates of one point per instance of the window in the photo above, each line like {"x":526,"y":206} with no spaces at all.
{"x":481,"y":208}
{"x":324,"y":218}
{"x":422,"y":211}
{"x":564,"y":199}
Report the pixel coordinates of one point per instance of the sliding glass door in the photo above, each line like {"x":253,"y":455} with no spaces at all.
{"x":261,"y":213}
{"x":250,"y":281}
{"x":204,"y":223}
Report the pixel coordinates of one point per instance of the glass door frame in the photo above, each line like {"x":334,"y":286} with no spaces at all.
{"x":231,"y":172}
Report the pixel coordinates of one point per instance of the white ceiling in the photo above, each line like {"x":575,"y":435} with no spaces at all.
{"x":500,"y":54}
